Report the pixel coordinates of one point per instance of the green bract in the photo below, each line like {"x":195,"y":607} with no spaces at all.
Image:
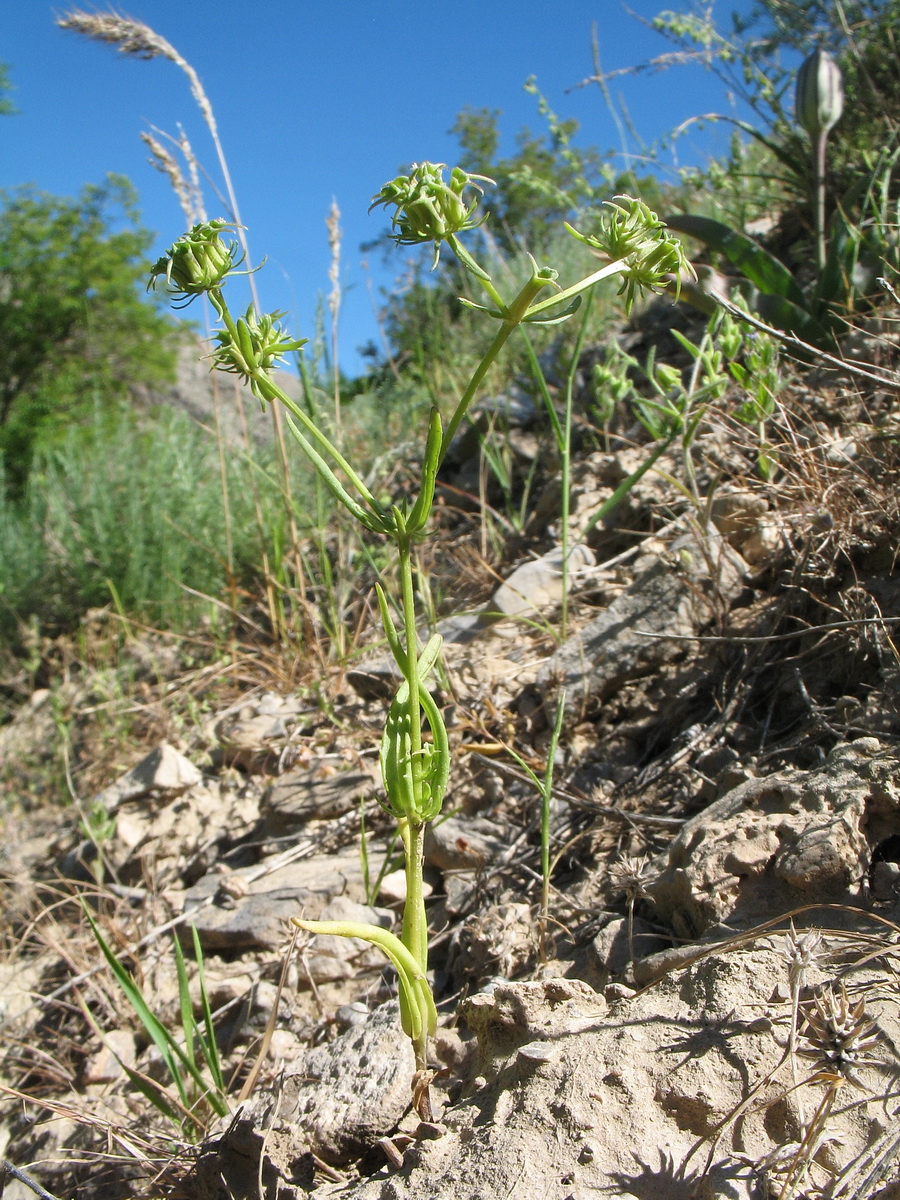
{"x":633,"y":234}
{"x":819,"y":100}
{"x":198,"y":261}
{"x":254,"y":345}
{"x":428,"y":209}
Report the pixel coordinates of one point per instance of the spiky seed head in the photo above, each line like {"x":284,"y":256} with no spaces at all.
{"x":199,"y":261}
{"x":632,"y":876}
{"x":803,"y":952}
{"x":260,"y":345}
{"x":840,"y":1036}
{"x":631,"y":233}
{"x":428,"y":208}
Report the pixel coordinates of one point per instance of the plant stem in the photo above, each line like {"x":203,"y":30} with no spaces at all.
{"x":819,"y":172}
{"x":515,"y":313}
{"x":414,"y":933}
{"x":412,"y":831}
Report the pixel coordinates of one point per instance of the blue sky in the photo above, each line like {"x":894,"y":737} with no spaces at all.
{"x":325,"y":100}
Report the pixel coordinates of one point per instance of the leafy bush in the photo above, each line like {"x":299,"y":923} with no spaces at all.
{"x":75,"y":325}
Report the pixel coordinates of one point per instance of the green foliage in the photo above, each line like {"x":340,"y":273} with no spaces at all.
{"x":862,"y":36}
{"x":118,"y":504}
{"x":548,"y":178}
{"x":74,"y":325}
{"x":192,"y":1061}
{"x":7,"y":108}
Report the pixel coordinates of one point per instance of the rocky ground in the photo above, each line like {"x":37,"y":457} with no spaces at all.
{"x":711,"y":1007}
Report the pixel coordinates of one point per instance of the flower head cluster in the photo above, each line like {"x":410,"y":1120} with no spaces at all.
{"x":841,"y":1037}
{"x":427,"y":207}
{"x":255,"y":345}
{"x":631,"y":233}
{"x":198,"y":261}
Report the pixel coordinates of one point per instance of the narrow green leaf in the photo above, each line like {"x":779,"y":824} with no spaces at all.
{"x":184,"y":1001}
{"x":209,"y":1045}
{"x":758,"y":265}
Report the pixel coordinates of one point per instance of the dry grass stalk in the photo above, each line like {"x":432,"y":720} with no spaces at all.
{"x":134,"y":38}
{"x":186,"y":190}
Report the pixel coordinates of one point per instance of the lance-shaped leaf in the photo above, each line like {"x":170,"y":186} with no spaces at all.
{"x":417,"y":1008}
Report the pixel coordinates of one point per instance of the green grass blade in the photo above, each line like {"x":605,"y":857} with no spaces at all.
{"x":184,"y":1001}
{"x":208,"y":1044}
{"x":158,"y":1033}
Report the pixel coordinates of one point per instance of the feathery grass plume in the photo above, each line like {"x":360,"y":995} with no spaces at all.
{"x":135,"y":38}
{"x":333,"y":225}
{"x":186,"y":191}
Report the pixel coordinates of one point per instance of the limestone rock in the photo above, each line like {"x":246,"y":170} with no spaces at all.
{"x":301,"y":795}
{"x":773,"y":844}
{"x":344,"y":1096}
{"x":163,"y":772}
{"x":645,"y":625}
{"x":538,"y":585}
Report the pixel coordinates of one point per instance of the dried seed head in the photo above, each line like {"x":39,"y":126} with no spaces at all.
{"x":129,"y":36}
{"x":841,"y":1037}
{"x":803,"y":952}
{"x":632,"y":876}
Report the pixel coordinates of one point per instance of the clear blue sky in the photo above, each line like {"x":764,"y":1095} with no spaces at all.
{"x":322,"y":100}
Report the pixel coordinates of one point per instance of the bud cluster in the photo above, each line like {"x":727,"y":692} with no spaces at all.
{"x":632,"y":233}
{"x":819,"y":101}
{"x":429,"y":209}
{"x":252,"y":347}
{"x":198,"y":261}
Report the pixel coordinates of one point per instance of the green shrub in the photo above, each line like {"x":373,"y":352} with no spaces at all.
{"x":122,"y":504}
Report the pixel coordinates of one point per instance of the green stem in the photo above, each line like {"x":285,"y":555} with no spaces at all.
{"x":819,"y":172}
{"x":414,"y":933}
{"x":474,"y":269}
{"x":273,"y":392}
{"x":515,"y":313}
{"x":576,"y":289}
{"x":627,"y":484}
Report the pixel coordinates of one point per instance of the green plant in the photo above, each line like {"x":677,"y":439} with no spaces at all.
{"x":132,"y":506}
{"x":850,"y":247}
{"x":545,"y":791}
{"x":426,"y":208}
{"x":192,"y":1061}
{"x":754,"y":363}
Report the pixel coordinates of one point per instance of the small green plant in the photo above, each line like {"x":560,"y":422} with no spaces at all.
{"x":192,"y":1061}
{"x":426,"y":208}
{"x":848,"y":252}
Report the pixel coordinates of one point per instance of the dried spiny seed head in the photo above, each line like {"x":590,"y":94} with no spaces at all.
{"x":841,"y":1037}
{"x":803,"y":952}
{"x":632,"y":876}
